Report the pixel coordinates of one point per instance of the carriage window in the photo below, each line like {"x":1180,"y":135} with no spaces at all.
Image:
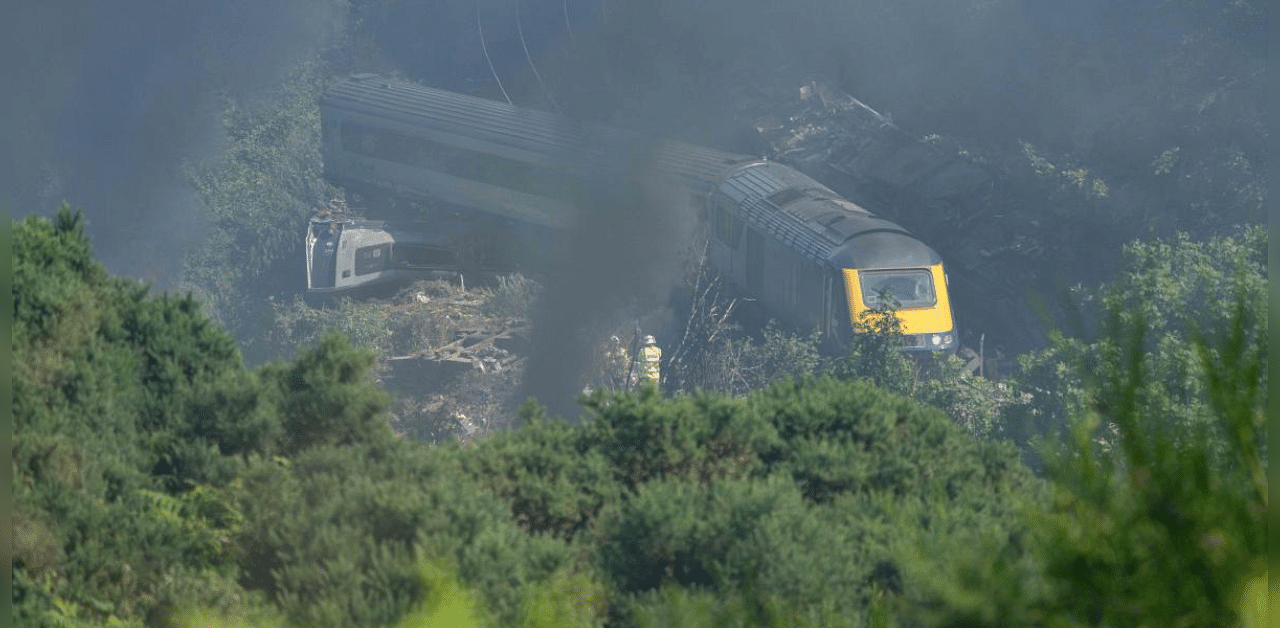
{"x":460,"y":162}
{"x":728,"y":228}
{"x":898,"y":289}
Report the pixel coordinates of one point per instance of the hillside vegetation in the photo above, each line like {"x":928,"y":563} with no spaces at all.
{"x":231,"y":457}
{"x":160,"y":482}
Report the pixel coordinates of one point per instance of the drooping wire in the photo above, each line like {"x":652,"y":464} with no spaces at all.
{"x":567,"y":25}
{"x":520,"y":31}
{"x":485,"y":48}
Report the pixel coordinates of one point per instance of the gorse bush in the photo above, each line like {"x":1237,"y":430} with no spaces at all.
{"x":159,"y":482}
{"x":134,"y":419}
{"x":255,"y":198}
{"x":104,"y":376}
{"x":1156,"y":516}
{"x":367,"y":325}
{"x":1183,"y":298}
{"x":513,"y":297}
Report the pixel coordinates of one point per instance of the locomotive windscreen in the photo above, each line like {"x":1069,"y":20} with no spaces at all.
{"x":898,"y":289}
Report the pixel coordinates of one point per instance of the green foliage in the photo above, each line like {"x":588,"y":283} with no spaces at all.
{"x":513,"y":297}
{"x":561,"y":601}
{"x":332,"y":536}
{"x":367,"y":325}
{"x":554,"y":485}
{"x":738,"y":366}
{"x":875,"y":354}
{"x":698,"y":438}
{"x":102,"y":374}
{"x":325,"y":398}
{"x":1158,"y":503}
{"x":1065,"y":181}
{"x":683,"y":532}
{"x":814,"y":491}
{"x":209,"y":618}
{"x":840,"y":437}
{"x":1173,"y":293}
{"x":680,"y":607}
{"x":256,"y":198}
{"x":565,"y":599}
{"x":779,"y":355}
{"x":134,"y":417}
{"x":975,"y":402}
{"x":154,"y":476}
{"x":448,"y":603}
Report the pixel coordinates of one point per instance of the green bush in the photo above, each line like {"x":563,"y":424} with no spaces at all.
{"x":697,"y":438}
{"x":334,"y":535}
{"x":255,"y":198}
{"x":816,"y":492}
{"x":324,"y":397}
{"x":512,"y":298}
{"x":1172,"y":292}
{"x":134,"y":420}
{"x":875,"y":354}
{"x":554,"y":484}
{"x":675,"y":531}
{"x":1161,"y":521}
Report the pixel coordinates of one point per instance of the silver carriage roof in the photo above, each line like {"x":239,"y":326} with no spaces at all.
{"x":794,"y":208}
{"x":817,"y":222}
{"x":536,"y":135}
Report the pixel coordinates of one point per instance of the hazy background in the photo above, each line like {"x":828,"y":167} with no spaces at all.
{"x":107,"y":100}
{"x":1161,"y":99}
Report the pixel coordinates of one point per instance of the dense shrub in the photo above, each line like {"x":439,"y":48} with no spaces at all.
{"x":335,"y":536}
{"x":134,"y":416}
{"x":1174,"y":294}
{"x":816,"y":492}
{"x":103,"y":374}
{"x":1158,"y":502}
{"x":1156,"y":526}
{"x":554,"y":484}
{"x":153,"y":472}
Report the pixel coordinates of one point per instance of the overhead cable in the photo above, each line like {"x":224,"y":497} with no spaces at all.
{"x":480,"y":28}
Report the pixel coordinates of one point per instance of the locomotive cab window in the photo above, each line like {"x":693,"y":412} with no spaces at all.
{"x":372,"y":259}
{"x":898,"y":289}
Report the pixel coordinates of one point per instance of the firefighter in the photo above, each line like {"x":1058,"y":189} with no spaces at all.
{"x":650,"y":361}
{"x":617,"y":363}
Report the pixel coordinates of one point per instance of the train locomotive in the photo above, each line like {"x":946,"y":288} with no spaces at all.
{"x":494,"y":185}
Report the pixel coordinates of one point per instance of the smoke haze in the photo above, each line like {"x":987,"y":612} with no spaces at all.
{"x":117,"y":96}
{"x":621,"y":262}
{"x":113,"y":98}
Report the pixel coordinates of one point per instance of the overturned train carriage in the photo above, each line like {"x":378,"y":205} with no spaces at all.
{"x":495,"y":186}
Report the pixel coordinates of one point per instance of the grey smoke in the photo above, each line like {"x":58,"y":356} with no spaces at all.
{"x":110,"y":99}
{"x":618,"y":267}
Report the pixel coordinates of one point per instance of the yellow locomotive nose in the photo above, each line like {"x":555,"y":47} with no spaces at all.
{"x":918,"y":297}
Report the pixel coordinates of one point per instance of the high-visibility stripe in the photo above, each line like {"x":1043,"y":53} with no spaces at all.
{"x":650,"y":363}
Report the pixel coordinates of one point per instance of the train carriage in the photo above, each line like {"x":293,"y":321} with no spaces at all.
{"x":811,"y":258}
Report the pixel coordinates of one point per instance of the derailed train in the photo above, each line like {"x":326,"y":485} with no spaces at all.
{"x":493,"y":185}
